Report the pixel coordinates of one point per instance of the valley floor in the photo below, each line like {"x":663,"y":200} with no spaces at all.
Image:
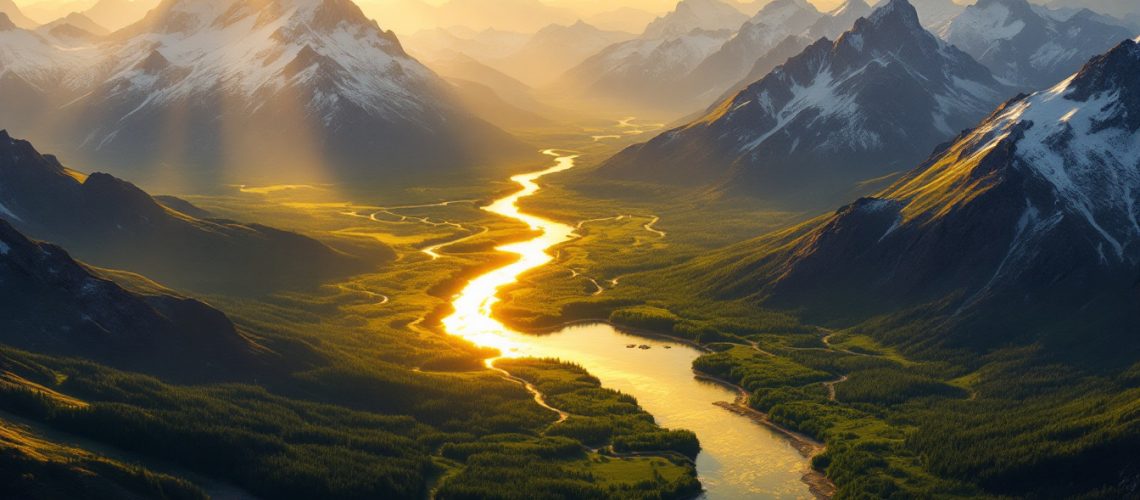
{"x":364,"y":395}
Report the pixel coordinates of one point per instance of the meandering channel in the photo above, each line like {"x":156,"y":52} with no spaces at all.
{"x":739,"y":458}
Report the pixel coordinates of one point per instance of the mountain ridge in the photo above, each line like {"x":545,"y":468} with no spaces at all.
{"x":112,"y":223}
{"x":768,"y":140}
{"x":1023,"y":229}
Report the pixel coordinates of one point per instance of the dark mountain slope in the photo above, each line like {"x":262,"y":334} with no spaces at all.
{"x":112,"y":223}
{"x":52,"y":304}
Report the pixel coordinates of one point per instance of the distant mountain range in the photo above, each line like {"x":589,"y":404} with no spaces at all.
{"x":775,"y":23}
{"x":311,"y":87}
{"x":879,"y":98}
{"x":74,"y":24}
{"x":640,"y":72}
{"x":1028,"y":46}
{"x":1022,"y":230}
{"x":690,"y":15}
{"x":111,"y":223}
{"x":555,"y":49}
{"x":1117,"y":8}
{"x":15,"y":16}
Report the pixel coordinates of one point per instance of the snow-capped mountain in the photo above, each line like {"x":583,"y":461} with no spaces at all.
{"x":775,"y":22}
{"x":1026,"y":47}
{"x":643,"y":71}
{"x":879,"y":98}
{"x":555,"y":49}
{"x":15,"y":16}
{"x":1018,"y":230}
{"x":272,"y":85}
{"x":689,"y":15}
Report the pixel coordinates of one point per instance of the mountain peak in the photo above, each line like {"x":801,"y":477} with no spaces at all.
{"x":1113,"y":72}
{"x":896,"y":11}
{"x":891,"y":26}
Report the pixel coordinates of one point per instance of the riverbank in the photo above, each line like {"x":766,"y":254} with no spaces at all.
{"x":818,"y":484}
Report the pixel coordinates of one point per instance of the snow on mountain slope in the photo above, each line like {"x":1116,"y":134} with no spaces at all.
{"x":1017,"y":231}
{"x":28,"y":56}
{"x":1026,"y":47}
{"x":229,"y":82}
{"x":879,"y":98}
{"x":775,"y":22}
{"x":689,"y":15}
{"x":263,"y":50}
{"x":1021,"y":231}
{"x":1080,"y":138}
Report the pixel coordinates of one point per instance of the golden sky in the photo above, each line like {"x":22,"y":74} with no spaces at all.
{"x":650,"y":5}
{"x":405,"y":18}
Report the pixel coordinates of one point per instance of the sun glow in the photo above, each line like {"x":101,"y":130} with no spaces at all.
{"x":473,"y":318}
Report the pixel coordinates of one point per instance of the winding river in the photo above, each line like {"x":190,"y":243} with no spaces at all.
{"x":739,"y":458}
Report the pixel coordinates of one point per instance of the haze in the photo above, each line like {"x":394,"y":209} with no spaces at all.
{"x":407,"y":16}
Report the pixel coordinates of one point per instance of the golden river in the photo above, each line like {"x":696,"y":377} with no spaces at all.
{"x":739,"y":458}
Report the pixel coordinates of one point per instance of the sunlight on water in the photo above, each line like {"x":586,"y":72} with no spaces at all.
{"x":739,"y":458}
{"x":472,"y":318}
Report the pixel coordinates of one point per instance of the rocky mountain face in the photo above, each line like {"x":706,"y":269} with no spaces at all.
{"x":111,"y":223}
{"x":879,"y":98}
{"x":53,"y":304}
{"x":1023,"y":229}
{"x":772,"y":25}
{"x":312,"y":87}
{"x":1027,"y":47}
